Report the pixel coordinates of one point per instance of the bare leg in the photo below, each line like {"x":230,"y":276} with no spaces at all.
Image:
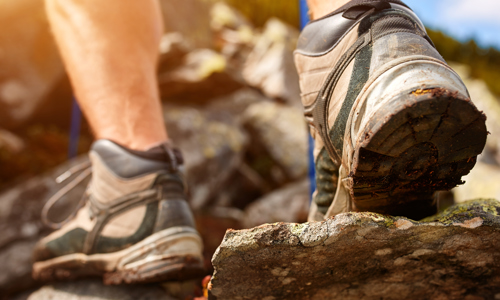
{"x":110,"y":50}
{"x":320,"y":8}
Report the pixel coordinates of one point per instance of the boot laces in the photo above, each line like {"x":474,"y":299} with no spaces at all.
{"x":85,"y":170}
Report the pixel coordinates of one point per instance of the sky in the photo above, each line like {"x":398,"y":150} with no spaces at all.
{"x":462,"y":19}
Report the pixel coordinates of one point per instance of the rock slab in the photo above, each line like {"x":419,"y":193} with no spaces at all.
{"x":453,"y":255}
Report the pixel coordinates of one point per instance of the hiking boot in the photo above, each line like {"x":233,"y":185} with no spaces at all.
{"x":134,"y":225}
{"x":393,"y":123}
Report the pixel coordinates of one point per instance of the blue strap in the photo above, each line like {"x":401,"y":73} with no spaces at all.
{"x":304,"y":13}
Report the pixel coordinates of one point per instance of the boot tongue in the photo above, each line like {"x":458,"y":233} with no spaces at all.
{"x":108,"y":182}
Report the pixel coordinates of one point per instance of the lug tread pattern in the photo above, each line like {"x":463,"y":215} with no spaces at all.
{"x":427,"y":144}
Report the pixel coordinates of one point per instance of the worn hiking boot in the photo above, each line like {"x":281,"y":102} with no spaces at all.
{"x":393,"y":123}
{"x":135,"y":225}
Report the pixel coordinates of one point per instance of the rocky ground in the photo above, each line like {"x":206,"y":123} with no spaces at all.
{"x":453,"y":255}
{"x":231,"y":104}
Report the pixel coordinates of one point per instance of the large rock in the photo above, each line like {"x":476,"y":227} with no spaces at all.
{"x":365,"y":256}
{"x":270,"y":65}
{"x":202,"y":75}
{"x":281,"y":131}
{"x":173,"y":48}
{"x":288,"y":204}
{"x":212,"y":144}
{"x":235,"y":35}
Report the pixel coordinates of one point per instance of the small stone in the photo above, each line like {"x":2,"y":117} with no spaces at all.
{"x":287,"y":280}
{"x":385,"y":251}
{"x":421,"y":252}
{"x":403,"y":224}
{"x":474,"y":223}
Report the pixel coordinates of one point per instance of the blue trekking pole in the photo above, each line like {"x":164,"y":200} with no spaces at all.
{"x":304,"y":19}
{"x":74,"y":132}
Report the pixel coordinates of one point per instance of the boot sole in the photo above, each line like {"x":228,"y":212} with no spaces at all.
{"x":422,"y":140}
{"x":170,"y":255}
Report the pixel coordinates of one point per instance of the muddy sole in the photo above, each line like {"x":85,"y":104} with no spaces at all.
{"x":163,"y":256}
{"x":72,"y":267}
{"x":420,"y":142}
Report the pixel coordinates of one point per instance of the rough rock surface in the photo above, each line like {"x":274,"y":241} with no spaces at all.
{"x":453,"y":255}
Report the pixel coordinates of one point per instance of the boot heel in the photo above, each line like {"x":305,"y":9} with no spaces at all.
{"x":413,"y":135}
{"x":171,"y":254}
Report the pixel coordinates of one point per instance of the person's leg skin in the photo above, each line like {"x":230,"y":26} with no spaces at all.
{"x":392,"y":122}
{"x":110,"y":50}
{"x":320,"y":8}
{"x":135,"y":225}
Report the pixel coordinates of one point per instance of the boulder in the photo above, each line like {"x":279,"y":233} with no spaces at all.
{"x":235,"y":35}
{"x":212,"y":143}
{"x":173,"y":48}
{"x":453,"y":255}
{"x":288,"y":204}
{"x":270,"y":66}
{"x":245,"y":185}
{"x":237,"y":103}
{"x":202,"y":75}
{"x":280,"y":130}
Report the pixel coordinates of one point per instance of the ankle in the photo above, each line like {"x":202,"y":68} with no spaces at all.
{"x":137,"y":142}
